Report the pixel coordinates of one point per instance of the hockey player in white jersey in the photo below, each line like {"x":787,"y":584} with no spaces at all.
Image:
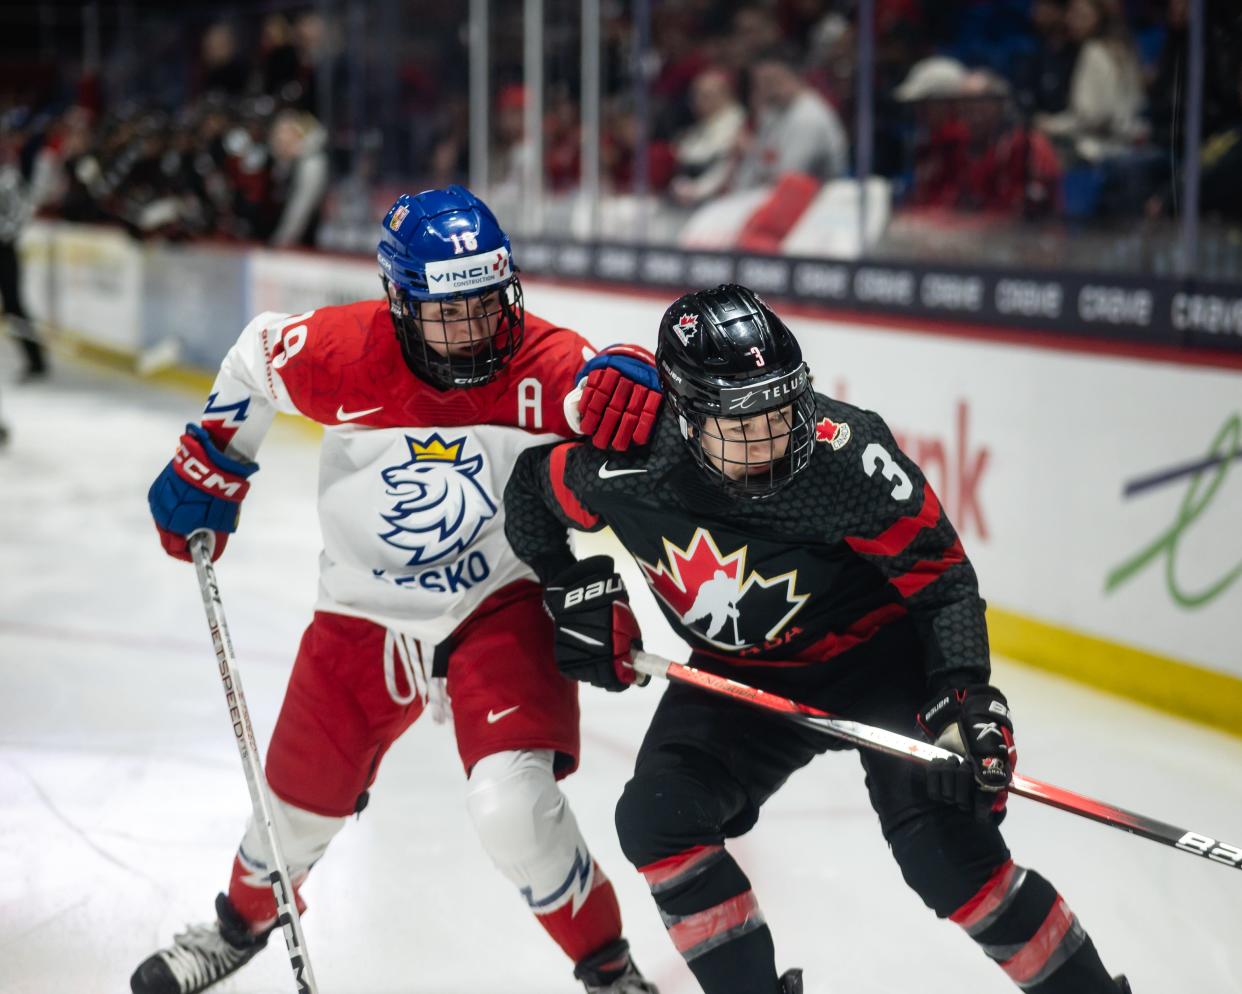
{"x":426,"y":398}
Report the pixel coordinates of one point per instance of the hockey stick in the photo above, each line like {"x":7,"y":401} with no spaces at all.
{"x":870,"y":737}
{"x":287,"y":917}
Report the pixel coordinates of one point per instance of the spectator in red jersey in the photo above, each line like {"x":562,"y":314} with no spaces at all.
{"x":976,"y":155}
{"x":618,"y":145}
{"x":562,"y":140}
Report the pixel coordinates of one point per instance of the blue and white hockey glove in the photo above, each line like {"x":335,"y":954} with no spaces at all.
{"x":200,"y":488}
{"x":619,"y":396}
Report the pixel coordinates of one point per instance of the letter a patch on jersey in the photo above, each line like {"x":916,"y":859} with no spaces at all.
{"x":717,"y":598}
{"x":439,"y":505}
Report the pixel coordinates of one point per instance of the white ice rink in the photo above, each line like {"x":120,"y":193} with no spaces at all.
{"x":122,"y":798}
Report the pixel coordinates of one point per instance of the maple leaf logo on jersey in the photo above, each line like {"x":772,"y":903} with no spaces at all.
{"x":835,"y":433}
{"x":717,"y":598}
{"x":439,"y":504}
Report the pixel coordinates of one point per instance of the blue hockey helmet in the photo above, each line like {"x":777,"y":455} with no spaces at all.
{"x":452,"y":288}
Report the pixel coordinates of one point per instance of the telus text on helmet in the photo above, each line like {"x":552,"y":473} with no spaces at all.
{"x":762,"y":395}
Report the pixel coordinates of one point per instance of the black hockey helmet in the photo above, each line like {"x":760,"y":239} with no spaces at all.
{"x":733,"y":372}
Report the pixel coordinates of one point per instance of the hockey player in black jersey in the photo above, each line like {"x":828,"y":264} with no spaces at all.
{"x":796,"y":548}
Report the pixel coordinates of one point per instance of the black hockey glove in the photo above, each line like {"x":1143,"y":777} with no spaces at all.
{"x":595,"y":629}
{"x":974,"y":723}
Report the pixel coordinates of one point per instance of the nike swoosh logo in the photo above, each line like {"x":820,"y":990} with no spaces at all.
{"x":607,"y":474}
{"x":344,"y":415}
{"x":495,"y":716}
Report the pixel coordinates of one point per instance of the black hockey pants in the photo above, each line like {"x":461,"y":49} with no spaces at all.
{"x":707,"y":765}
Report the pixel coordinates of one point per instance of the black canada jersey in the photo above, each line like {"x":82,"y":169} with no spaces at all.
{"x":855,"y":542}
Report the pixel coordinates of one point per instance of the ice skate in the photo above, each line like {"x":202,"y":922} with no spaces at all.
{"x":612,"y":971}
{"x":200,"y":956}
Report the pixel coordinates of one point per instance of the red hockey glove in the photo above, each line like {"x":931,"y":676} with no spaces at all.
{"x":620,"y":397}
{"x":201,"y":488}
{"x":973,"y":722}
{"x":596,"y":630}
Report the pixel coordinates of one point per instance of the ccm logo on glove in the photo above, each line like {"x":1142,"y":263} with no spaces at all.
{"x":207,"y":478}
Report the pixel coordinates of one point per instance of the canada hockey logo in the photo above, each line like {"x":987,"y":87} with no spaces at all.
{"x":714,"y":594}
{"x":439,"y":506}
{"x":834,"y":433}
{"x":686,"y":326}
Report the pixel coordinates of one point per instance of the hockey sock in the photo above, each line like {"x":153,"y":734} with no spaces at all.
{"x":714,"y":920}
{"x":526,"y":826}
{"x":1022,"y":923}
{"x":586,"y":928}
{"x":250,"y":893}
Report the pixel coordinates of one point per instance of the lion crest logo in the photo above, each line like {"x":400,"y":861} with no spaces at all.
{"x":439,"y":506}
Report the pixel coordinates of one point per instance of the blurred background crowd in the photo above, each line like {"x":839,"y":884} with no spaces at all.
{"x":293,"y":123}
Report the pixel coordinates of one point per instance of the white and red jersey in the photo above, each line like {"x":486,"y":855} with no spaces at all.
{"x":411,"y":478}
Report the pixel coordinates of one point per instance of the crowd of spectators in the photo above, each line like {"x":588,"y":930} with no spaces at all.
{"x":1027,"y":108}
{"x":1022,"y":108}
{"x":243,"y":157}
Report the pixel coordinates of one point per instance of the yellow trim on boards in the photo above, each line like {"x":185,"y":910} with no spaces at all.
{"x":183,"y":378}
{"x":1180,"y":688}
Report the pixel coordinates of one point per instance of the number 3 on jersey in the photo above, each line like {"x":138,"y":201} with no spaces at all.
{"x":874,"y":457}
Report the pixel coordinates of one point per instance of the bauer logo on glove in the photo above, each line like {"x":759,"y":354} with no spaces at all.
{"x":613,"y":585}
{"x":973,"y":722}
{"x":596,"y":631}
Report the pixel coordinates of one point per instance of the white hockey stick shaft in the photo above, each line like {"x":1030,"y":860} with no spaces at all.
{"x":287,"y":917}
{"x":851,"y":731}
{"x":870,"y":737}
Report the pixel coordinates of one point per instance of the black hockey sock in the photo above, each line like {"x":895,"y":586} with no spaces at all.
{"x":1022,"y":923}
{"x":714,"y":920}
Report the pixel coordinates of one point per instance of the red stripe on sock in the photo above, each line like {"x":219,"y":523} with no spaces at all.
{"x":1032,"y":957}
{"x":588,"y":929}
{"x":987,"y":899}
{"x":671,"y":867}
{"x":694,"y":930}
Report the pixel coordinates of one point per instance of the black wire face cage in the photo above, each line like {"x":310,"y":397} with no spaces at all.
{"x":479,"y":334}
{"x":751,"y":457}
